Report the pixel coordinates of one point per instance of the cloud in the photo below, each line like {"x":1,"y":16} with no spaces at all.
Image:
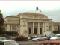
{"x":53,"y":14}
{"x":50,"y":8}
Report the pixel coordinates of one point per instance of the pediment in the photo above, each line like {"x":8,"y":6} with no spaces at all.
{"x":34,"y":16}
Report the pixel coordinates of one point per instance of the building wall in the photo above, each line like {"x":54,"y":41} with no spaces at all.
{"x":12,"y":20}
{"x":23,"y":28}
{"x":23,"y":21}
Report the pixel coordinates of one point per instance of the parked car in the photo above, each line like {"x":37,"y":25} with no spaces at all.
{"x":44,"y":38}
{"x":35,"y":39}
{"x":35,"y":36}
{"x":50,"y":36}
{"x":39,"y":38}
{"x":8,"y":42}
{"x":56,"y":37}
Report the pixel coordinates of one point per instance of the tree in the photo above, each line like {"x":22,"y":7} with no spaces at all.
{"x":1,"y":23}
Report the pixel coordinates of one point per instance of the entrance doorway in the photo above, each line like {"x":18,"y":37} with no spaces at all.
{"x":40,"y":30}
{"x":35,"y":30}
{"x":29,"y":30}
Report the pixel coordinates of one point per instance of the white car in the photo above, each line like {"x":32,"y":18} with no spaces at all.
{"x":8,"y":42}
{"x":56,"y":37}
{"x":35,"y":39}
{"x":39,"y":38}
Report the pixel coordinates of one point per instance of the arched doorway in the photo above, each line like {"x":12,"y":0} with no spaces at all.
{"x":29,"y":30}
{"x":40,"y":30}
{"x":35,"y":30}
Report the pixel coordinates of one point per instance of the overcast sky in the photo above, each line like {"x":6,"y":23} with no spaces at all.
{"x":49,"y":8}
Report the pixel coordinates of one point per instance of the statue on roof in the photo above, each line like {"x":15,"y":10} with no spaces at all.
{"x":37,"y":8}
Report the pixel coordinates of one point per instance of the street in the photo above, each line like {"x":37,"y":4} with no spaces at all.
{"x":27,"y":42}
{"x":45,"y":42}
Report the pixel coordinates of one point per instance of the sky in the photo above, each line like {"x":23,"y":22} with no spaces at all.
{"x":49,"y":8}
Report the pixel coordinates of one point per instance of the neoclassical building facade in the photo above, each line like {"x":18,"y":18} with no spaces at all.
{"x":30,"y":23}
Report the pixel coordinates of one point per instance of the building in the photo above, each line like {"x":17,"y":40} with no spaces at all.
{"x":30,"y":23}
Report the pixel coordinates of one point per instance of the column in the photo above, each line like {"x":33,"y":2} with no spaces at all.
{"x":38,"y":31}
{"x":43,"y":30}
{"x":11,"y":27}
{"x":46,"y":26}
{"x":33,"y":28}
{"x":52,"y":27}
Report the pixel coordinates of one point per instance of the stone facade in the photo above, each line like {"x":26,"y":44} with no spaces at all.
{"x":27,"y":24}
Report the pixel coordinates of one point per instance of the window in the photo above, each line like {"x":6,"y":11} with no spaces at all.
{"x":35,"y":30}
